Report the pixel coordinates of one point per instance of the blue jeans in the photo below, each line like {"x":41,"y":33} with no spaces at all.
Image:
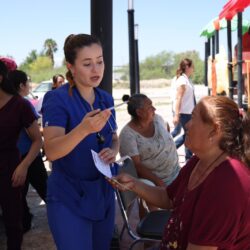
{"x":176,"y":131}
{"x":184,"y":119}
{"x":180,"y":140}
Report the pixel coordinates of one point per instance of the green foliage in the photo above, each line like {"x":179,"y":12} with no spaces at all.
{"x":165,"y":64}
{"x":153,"y":67}
{"x":25,"y":66}
{"x":47,"y":74}
{"x":31,"y":57}
{"x":198,"y":74}
{"x":41,"y":69}
{"x":40,"y":64}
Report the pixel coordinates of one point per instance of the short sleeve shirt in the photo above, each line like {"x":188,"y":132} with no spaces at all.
{"x":24,"y":142}
{"x":188,"y":99}
{"x":14,"y":116}
{"x":158,"y":152}
{"x":64,"y":110}
{"x":216,"y":213}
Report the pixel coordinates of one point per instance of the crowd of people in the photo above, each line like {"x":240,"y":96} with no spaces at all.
{"x":209,"y":197}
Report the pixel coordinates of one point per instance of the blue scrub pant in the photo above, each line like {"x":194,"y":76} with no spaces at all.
{"x":77,"y":233}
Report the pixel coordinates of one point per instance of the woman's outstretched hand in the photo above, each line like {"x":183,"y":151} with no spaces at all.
{"x":123,"y":182}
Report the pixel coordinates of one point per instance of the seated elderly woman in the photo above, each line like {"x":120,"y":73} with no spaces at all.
{"x":146,"y":140}
{"x":210,"y":198}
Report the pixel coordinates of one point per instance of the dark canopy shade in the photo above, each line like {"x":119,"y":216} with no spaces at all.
{"x":232,"y":7}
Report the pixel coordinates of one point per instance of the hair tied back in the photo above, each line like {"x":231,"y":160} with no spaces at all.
{"x":125,"y":98}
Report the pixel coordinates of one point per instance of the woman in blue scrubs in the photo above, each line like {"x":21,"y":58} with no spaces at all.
{"x":76,"y":119}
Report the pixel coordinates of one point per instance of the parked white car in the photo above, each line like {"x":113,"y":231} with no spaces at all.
{"x":36,"y":96}
{"x":42,"y":88}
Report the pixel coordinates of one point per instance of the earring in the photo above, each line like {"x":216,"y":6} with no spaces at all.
{"x":211,"y":139}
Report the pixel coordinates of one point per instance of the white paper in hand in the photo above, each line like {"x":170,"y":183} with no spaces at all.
{"x":103,"y":167}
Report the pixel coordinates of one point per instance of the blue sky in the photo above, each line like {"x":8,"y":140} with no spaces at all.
{"x":163,"y":25}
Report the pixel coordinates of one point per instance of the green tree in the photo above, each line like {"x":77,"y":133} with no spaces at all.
{"x":165,"y":64}
{"x":198,"y":75}
{"x":32,"y":56}
{"x":40,"y":64}
{"x":154,"y":66}
{"x":50,"y":47}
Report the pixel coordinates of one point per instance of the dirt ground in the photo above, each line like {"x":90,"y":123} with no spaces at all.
{"x":39,"y":237}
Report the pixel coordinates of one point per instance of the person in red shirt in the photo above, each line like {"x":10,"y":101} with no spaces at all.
{"x":210,"y":198}
{"x":15,"y":115}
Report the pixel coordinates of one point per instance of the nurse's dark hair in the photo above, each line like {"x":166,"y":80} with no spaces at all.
{"x":5,"y":83}
{"x":135,"y":102}
{"x":234,"y":125}
{"x":17,"y":77}
{"x":71,"y":46}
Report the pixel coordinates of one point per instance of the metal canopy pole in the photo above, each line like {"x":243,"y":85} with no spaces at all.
{"x":209,"y":46}
{"x":208,"y":54}
{"x":213,"y":47}
{"x":206,"y":64}
{"x":239,"y":60}
{"x":131,"y":36}
{"x":230,"y":58}
{"x":102,"y":26}
{"x":217,"y":43}
{"x":137,"y":64}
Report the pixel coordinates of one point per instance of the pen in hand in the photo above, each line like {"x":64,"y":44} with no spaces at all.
{"x":125,"y":100}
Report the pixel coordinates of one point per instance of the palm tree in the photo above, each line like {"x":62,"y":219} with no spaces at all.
{"x":31,"y":57}
{"x":50,"y":46}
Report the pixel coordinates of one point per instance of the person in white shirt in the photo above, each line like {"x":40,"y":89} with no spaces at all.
{"x":177,"y":129}
{"x":184,"y":101}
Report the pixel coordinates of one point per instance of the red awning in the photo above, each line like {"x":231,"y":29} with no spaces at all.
{"x":232,"y":7}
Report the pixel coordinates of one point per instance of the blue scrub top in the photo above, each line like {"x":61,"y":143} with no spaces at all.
{"x":24,"y":141}
{"x":74,"y":179}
